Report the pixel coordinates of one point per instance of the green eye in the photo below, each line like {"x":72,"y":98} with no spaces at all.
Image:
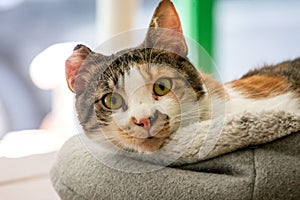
{"x":112,"y":101}
{"x":162,"y":86}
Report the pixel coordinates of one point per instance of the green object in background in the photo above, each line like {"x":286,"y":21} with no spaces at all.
{"x":197,"y":21}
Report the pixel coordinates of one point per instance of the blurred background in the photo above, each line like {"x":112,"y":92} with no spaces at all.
{"x":27,"y":28}
{"x":36,"y":36}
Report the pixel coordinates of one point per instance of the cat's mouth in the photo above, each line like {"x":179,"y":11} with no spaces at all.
{"x":147,"y":141}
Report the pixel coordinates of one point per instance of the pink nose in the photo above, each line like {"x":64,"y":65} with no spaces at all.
{"x":145,"y":122}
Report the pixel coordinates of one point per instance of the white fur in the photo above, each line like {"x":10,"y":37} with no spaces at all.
{"x":238,"y":103}
{"x":133,"y":81}
{"x":138,"y":97}
{"x":216,"y":105}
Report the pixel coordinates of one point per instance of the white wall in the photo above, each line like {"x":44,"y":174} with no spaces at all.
{"x":251,"y":33}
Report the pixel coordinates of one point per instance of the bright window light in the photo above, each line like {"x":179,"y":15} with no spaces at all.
{"x":7,"y":4}
{"x":47,"y":69}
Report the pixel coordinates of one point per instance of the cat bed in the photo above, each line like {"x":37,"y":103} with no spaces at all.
{"x":231,"y":169}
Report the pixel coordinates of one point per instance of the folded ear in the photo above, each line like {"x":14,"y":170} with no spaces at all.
{"x":74,"y":63}
{"x":165,"y":30}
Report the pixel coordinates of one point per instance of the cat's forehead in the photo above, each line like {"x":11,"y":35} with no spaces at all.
{"x":146,"y":74}
{"x":153,"y":71}
{"x":133,"y":80}
{"x":137,"y":67}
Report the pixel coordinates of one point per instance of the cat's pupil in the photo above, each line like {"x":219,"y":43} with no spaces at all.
{"x":162,"y":86}
{"x":113,"y":100}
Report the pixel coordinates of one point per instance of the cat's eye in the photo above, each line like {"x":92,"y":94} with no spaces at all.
{"x":112,"y":101}
{"x":162,"y":86}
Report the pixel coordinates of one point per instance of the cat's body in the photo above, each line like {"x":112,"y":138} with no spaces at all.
{"x":139,"y":97}
{"x":270,"y":88}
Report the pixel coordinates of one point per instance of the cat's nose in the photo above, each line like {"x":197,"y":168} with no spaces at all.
{"x":146,"y":122}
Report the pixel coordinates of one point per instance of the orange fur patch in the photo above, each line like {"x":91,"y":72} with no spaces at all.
{"x":260,"y":86}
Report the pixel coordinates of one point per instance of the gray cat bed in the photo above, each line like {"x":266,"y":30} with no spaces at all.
{"x":229,"y":171}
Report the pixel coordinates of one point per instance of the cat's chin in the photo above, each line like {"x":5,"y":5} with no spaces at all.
{"x":140,"y":140}
{"x":143,"y":145}
{"x":146,"y":145}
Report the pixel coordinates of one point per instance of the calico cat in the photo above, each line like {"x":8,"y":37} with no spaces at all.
{"x":139,"y":97}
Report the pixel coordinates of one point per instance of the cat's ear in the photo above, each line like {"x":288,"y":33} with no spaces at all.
{"x":73,"y":64}
{"x":165,"y":30}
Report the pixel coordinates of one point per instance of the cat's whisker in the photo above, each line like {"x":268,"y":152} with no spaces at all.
{"x":198,"y":111}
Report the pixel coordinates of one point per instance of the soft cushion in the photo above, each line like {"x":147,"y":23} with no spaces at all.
{"x":265,"y":171}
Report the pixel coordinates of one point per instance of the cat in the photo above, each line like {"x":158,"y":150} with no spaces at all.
{"x":139,"y":97}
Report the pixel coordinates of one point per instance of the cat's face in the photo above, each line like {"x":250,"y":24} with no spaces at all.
{"x":139,"y":97}
{"x":139,"y":103}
